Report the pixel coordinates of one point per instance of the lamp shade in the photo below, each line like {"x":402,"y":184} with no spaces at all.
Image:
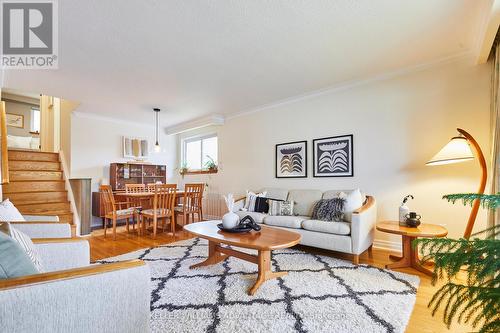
{"x":457,"y":150}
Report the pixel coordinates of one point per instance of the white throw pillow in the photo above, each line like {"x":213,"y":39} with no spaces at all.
{"x":9,"y":213}
{"x":250,"y":200}
{"x":353,"y":201}
{"x":27,"y":246}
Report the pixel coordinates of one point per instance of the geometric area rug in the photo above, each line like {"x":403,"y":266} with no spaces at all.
{"x":319,"y":294}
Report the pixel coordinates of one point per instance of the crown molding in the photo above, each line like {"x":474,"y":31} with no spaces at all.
{"x":95,"y":116}
{"x":487,"y":30}
{"x":355,"y":83}
{"x":210,"y":120}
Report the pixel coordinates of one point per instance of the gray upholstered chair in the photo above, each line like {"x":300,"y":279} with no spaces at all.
{"x":74,"y":296}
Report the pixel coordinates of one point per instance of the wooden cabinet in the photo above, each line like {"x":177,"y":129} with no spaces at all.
{"x":134,"y":173}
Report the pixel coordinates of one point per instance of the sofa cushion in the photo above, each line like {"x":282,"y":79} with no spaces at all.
{"x":353,"y":201}
{"x":258,"y":217}
{"x":337,"y":228}
{"x":335,"y":194}
{"x":304,"y":201}
{"x":294,"y":222}
{"x":9,"y":213}
{"x":276,"y":193}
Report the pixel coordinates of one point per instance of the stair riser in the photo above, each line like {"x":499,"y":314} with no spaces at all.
{"x":20,"y":187}
{"x":45,"y":209}
{"x":33,"y":165}
{"x":35,"y":175}
{"x":33,"y":156}
{"x":37,"y":198}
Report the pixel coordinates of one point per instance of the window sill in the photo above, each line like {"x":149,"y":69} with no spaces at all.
{"x":199,"y":172}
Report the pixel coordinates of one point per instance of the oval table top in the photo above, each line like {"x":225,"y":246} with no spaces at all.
{"x":423,"y":230}
{"x":268,"y":238}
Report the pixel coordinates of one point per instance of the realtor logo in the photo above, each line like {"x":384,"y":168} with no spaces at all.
{"x":29,"y":34}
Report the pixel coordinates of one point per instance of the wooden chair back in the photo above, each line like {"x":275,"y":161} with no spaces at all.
{"x":150,"y":187}
{"x":107,"y":199}
{"x":193,"y":196}
{"x":164,"y":198}
{"x":135,"y":188}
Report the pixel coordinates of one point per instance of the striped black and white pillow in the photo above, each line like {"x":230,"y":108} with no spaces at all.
{"x":28,"y":246}
{"x":250,"y":200}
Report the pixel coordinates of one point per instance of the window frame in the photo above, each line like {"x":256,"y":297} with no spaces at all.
{"x":32,"y":119}
{"x":194,"y":139}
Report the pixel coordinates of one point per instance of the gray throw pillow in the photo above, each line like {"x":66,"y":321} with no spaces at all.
{"x":329,"y":209}
{"x":14,"y":261}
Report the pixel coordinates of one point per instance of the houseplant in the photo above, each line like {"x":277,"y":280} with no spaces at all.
{"x":476,"y":300}
{"x":210,"y":164}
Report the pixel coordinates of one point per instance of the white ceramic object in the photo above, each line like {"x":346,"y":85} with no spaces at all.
{"x":230,"y":220}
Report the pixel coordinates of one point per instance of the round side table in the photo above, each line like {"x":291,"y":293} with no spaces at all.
{"x":410,"y":254}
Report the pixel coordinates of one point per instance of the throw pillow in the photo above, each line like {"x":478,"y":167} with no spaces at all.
{"x":250,"y":200}
{"x":286,"y":208}
{"x":353,"y":201}
{"x":14,"y":262}
{"x":28,"y":246}
{"x":261,"y":205}
{"x":9,"y":213}
{"x":329,"y":210}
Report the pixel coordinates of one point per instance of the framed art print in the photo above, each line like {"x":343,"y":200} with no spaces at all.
{"x":333,"y":157}
{"x":15,"y":120}
{"x":291,"y":160}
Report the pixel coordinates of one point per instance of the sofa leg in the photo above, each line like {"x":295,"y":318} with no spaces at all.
{"x":355,"y":259}
{"x":370,"y":252}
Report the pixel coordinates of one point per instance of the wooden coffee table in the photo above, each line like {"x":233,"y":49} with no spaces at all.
{"x":410,"y":254}
{"x":264,"y":242}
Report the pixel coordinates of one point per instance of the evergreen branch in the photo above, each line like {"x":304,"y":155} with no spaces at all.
{"x":489,"y":201}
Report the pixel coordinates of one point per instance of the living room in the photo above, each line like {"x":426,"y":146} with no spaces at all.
{"x":244,"y":99}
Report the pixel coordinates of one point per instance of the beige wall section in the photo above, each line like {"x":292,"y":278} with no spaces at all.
{"x":96,"y":142}
{"x":20,"y":105}
{"x":398,"y":124}
{"x":66,"y":108}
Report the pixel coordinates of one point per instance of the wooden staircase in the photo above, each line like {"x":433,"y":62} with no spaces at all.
{"x":37,"y":184}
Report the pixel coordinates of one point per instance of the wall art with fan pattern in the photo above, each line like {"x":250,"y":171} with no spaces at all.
{"x":333,"y":157}
{"x":291,"y":160}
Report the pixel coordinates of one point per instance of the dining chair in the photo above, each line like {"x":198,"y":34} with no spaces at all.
{"x":163,"y":207}
{"x":150,"y":187}
{"x":113,"y":210}
{"x":192,"y":202}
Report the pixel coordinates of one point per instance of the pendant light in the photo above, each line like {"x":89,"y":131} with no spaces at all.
{"x":157,"y":147}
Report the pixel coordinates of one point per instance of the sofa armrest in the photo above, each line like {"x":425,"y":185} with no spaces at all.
{"x":239,"y":204}
{"x":44,"y":229}
{"x":51,"y":218}
{"x":363,"y":226}
{"x":63,"y":253}
{"x":101,"y":298}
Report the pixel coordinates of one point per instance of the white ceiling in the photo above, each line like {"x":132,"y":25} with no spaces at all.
{"x":196,"y":57}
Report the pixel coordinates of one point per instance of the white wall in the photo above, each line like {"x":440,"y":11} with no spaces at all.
{"x":96,"y":142}
{"x":398,"y":124}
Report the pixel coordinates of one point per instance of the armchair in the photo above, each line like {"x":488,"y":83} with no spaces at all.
{"x":73,"y":296}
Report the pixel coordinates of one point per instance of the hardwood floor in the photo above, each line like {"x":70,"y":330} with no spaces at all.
{"x":421,"y":320}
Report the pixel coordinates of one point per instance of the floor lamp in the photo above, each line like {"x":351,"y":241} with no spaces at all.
{"x":459,"y":150}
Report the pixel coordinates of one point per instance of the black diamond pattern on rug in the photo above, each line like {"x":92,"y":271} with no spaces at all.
{"x":319,"y":294}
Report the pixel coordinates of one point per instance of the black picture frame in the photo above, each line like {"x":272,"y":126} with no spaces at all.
{"x":345,"y":159}
{"x":288,"y":167}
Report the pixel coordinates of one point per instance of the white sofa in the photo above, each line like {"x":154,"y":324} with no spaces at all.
{"x":74,"y":296}
{"x":353,"y":237}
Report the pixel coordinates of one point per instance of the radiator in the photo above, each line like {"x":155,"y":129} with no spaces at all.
{"x":214,"y":206}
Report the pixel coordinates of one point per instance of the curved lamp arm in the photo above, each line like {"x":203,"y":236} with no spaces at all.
{"x":482,"y":184}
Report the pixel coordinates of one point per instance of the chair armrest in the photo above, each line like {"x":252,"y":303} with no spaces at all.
{"x":239,"y":204}
{"x":62,"y":253}
{"x":79,"y":300}
{"x":44,"y":229}
{"x":51,"y":218}
{"x":363,"y":226}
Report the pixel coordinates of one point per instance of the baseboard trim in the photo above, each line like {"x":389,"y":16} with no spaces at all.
{"x":387,"y":245}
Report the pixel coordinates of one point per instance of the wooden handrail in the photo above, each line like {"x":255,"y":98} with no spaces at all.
{"x":3,"y":145}
{"x":30,"y":280}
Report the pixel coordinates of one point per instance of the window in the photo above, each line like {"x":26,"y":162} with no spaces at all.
{"x":197,"y":152}
{"x":35,"y":120}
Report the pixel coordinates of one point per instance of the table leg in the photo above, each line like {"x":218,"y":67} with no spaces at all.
{"x":214,"y":256}
{"x":265,"y":273}
{"x":415,"y":263}
{"x":405,"y":260}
